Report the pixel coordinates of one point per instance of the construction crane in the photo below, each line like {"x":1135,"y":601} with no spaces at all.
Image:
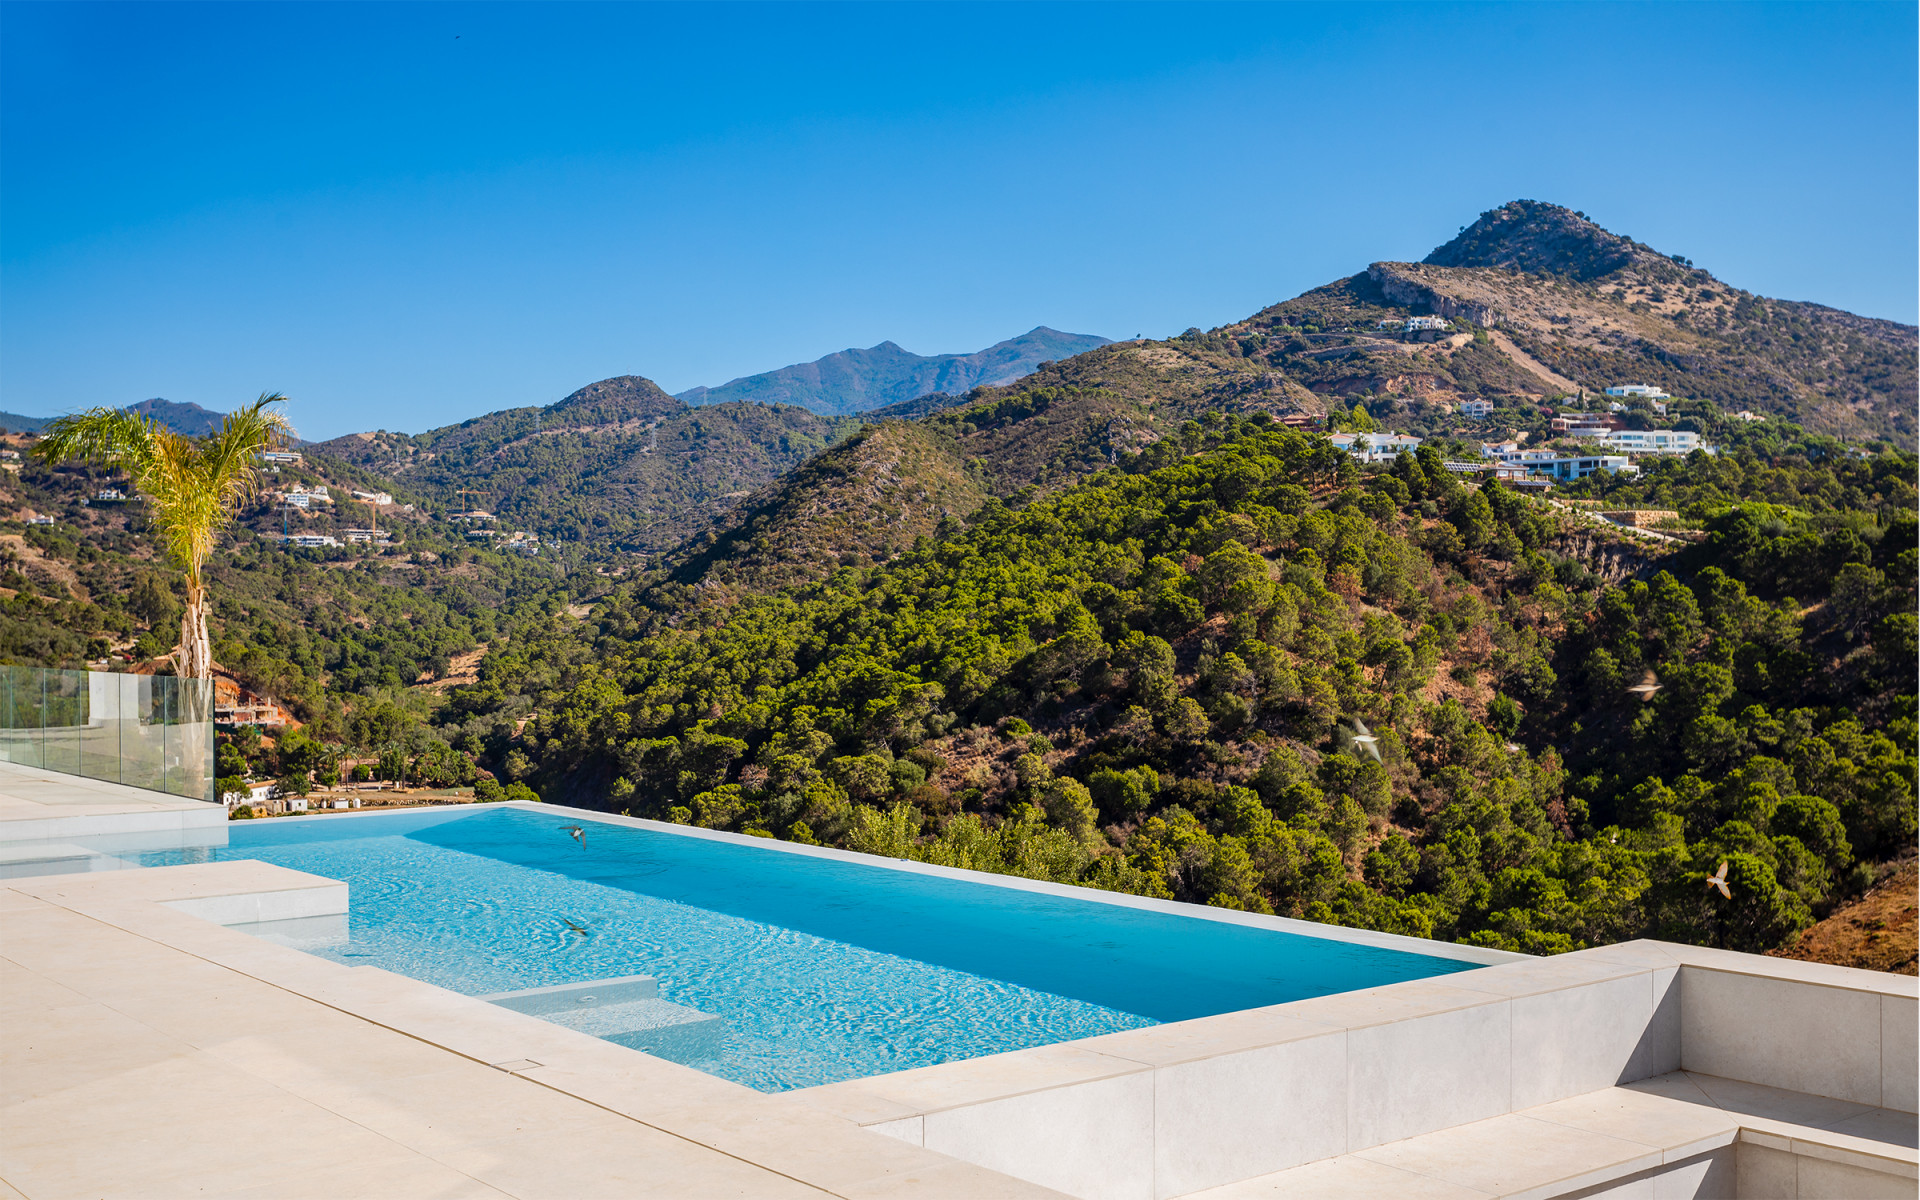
{"x":469,"y":492}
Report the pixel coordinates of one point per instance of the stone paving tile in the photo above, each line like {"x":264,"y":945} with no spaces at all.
{"x":1882,"y":1125}
{"x":412,"y":1177}
{"x":1759,"y":1101}
{"x":1639,"y":1117}
{"x":1342,"y":1179}
{"x":24,"y":989}
{"x":589,"y":1165}
{"x":1505,"y":1155}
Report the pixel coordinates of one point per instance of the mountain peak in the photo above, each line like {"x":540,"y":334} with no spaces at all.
{"x":618,"y":398}
{"x":188,"y":419}
{"x":1540,"y":239}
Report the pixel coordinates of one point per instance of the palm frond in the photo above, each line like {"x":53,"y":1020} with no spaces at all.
{"x":193,"y":486}
{"x":108,"y":435}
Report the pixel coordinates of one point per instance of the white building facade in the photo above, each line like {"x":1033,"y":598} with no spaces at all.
{"x":1656,"y":441}
{"x":1566,"y":470}
{"x":1375,"y":447}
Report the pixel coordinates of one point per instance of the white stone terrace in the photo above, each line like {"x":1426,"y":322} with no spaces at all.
{"x":149,"y":1051}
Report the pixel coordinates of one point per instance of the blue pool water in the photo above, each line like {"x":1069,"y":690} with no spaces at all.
{"x":822,"y":969}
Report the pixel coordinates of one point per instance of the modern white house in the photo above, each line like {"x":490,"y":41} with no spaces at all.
{"x":1656,"y":441}
{"x":1375,"y":447}
{"x":1639,"y":389}
{"x":307,"y":497}
{"x":1512,"y":454}
{"x":281,"y":456}
{"x":1568,"y":469}
{"x":255,"y":793}
{"x":1476,"y":409}
{"x":1415,"y":324}
{"x":377,"y":498}
{"x":310,"y":541}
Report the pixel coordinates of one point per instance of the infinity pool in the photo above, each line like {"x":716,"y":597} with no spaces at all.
{"x":821,"y":968}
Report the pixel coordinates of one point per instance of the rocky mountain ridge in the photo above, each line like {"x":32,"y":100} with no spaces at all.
{"x":1519,"y":338}
{"x":854,"y":381}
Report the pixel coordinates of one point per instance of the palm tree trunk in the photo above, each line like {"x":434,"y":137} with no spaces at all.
{"x":196,"y":649}
{"x":194,"y":707}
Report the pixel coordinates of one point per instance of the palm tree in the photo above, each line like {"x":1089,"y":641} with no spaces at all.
{"x":193,"y":488}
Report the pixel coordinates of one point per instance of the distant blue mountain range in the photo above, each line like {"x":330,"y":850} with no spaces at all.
{"x":189,"y":419}
{"x":851,"y":381}
{"x":854,"y":381}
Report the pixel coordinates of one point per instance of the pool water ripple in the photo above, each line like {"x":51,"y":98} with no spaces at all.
{"x":822,"y":969}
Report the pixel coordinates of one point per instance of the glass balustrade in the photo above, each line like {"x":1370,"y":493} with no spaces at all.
{"x":145,"y":731}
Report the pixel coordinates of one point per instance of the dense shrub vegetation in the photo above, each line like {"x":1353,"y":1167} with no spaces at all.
{"x":1151,"y":683}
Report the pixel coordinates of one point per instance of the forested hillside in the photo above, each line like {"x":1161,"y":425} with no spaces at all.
{"x":1156,"y":681}
{"x":619,"y":463}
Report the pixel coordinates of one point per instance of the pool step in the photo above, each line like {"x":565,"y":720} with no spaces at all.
{"x":627,"y":1010}
{"x":566,"y":997}
{"x":659,"y":1027}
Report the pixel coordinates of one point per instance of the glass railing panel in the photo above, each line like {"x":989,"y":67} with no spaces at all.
{"x":144,"y":731}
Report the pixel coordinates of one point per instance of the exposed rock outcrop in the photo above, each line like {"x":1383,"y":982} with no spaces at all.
{"x":1399,"y":286}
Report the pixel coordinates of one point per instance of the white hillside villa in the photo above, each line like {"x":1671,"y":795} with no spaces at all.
{"x":1656,"y":441}
{"x":1375,"y":447}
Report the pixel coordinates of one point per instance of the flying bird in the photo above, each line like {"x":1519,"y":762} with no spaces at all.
{"x":1363,"y":738}
{"x":1718,"y":881}
{"x":577,"y":834}
{"x":1513,"y":747}
{"x":1648,"y":685}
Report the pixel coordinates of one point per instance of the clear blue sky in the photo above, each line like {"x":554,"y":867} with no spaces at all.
{"x":403,"y":216}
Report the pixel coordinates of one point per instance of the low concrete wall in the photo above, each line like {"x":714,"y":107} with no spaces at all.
{"x":1805,"y":1027}
{"x":1767,"y":1167}
{"x":1159,"y":1112}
